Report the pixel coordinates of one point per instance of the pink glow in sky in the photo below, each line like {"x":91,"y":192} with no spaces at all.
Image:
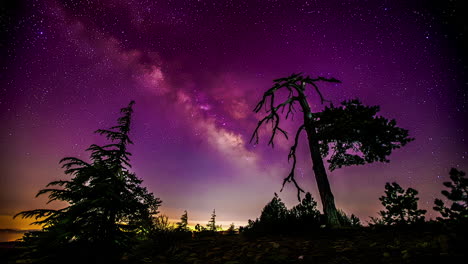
{"x":196,"y":69}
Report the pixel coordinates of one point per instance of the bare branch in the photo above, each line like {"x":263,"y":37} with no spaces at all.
{"x":322,"y":99}
{"x":273,"y":117}
{"x":292,"y":154}
{"x":296,"y":85}
{"x":312,"y":82}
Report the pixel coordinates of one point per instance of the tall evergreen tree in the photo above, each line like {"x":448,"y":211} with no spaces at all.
{"x":183,"y":224}
{"x":211,"y":226}
{"x":106,"y":209}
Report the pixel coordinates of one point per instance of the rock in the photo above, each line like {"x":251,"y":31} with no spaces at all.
{"x":275,"y":245}
{"x":405,"y":254}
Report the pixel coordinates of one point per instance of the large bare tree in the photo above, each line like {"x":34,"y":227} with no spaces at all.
{"x":353,"y":131}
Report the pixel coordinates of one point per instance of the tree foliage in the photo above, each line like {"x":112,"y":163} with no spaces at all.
{"x":356,"y":135}
{"x":401,"y":206}
{"x":211,"y":226}
{"x":355,"y":221}
{"x":161,"y":223}
{"x":232,"y":229}
{"x":458,"y":195}
{"x":274,"y":211}
{"x":107,"y":207}
{"x":276,"y":218}
{"x":199,"y":228}
{"x":183,"y":224}
{"x":348,"y":221}
{"x":306,"y":210}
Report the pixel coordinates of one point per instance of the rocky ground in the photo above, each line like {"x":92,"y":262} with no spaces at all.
{"x":338,"y":246}
{"x":362,"y":245}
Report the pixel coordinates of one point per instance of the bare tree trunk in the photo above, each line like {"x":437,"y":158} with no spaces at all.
{"x":326,"y":195}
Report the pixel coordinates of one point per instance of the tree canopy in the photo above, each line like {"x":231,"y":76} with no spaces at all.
{"x":357,"y":135}
{"x":401,"y":206}
{"x":458,"y":195}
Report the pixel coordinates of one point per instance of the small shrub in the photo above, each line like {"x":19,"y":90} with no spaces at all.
{"x":231,"y":230}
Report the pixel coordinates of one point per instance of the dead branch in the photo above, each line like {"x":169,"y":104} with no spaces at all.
{"x":292,"y":154}
{"x":295,"y":85}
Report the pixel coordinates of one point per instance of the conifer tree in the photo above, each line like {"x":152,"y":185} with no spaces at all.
{"x":211,"y":226}
{"x":355,"y":221}
{"x":183,"y":224}
{"x":273,"y":212}
{"x":306,"y":209}
{"x":401,"y":206}
{"x":458,"y":195}
{"x":106,"y":209}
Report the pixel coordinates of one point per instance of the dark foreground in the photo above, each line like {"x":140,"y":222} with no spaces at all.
{"x":363,"y":245}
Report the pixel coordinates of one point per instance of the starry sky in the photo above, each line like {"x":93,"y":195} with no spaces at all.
{"x":196,"y":70}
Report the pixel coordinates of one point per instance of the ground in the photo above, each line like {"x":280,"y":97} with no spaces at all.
{"x":362,"y":245}
{"x":359,"y":245}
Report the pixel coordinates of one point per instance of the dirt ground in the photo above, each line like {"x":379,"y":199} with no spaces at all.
{"x":331,"y":246}
{"x":361,"y":245}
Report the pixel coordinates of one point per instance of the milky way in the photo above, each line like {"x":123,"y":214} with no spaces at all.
{"x":196,"y":70}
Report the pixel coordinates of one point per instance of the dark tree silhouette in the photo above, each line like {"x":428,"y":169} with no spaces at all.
{"x":231,"y":230}
{"x":107,"y":207}
{"x":458,"y":195}
{"x":401,"y":206}
{"x":211,"y":226}
{"x":306,"y":209}
{"x":274,"y":211}
{"x":353,"y":131}
{"x":276,"y":218}
{"x":355,"y":221}
{"x":199,"y":228}
{"x":183,"y":224}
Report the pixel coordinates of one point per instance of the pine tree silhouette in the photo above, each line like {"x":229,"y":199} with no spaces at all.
{"x":183,"y":224}
{"x":211,"y":226}
{"x":106,"y":209}
{"x":458,"y":195}
{"x":401,"y":206}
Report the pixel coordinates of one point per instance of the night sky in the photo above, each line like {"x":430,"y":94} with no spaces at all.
{"x":196,"y":69}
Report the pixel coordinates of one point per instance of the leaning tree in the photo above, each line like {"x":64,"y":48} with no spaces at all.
{"x":354,"y":132}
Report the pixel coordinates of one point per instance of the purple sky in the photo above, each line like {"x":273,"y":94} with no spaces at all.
{"x":196,"y":69}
